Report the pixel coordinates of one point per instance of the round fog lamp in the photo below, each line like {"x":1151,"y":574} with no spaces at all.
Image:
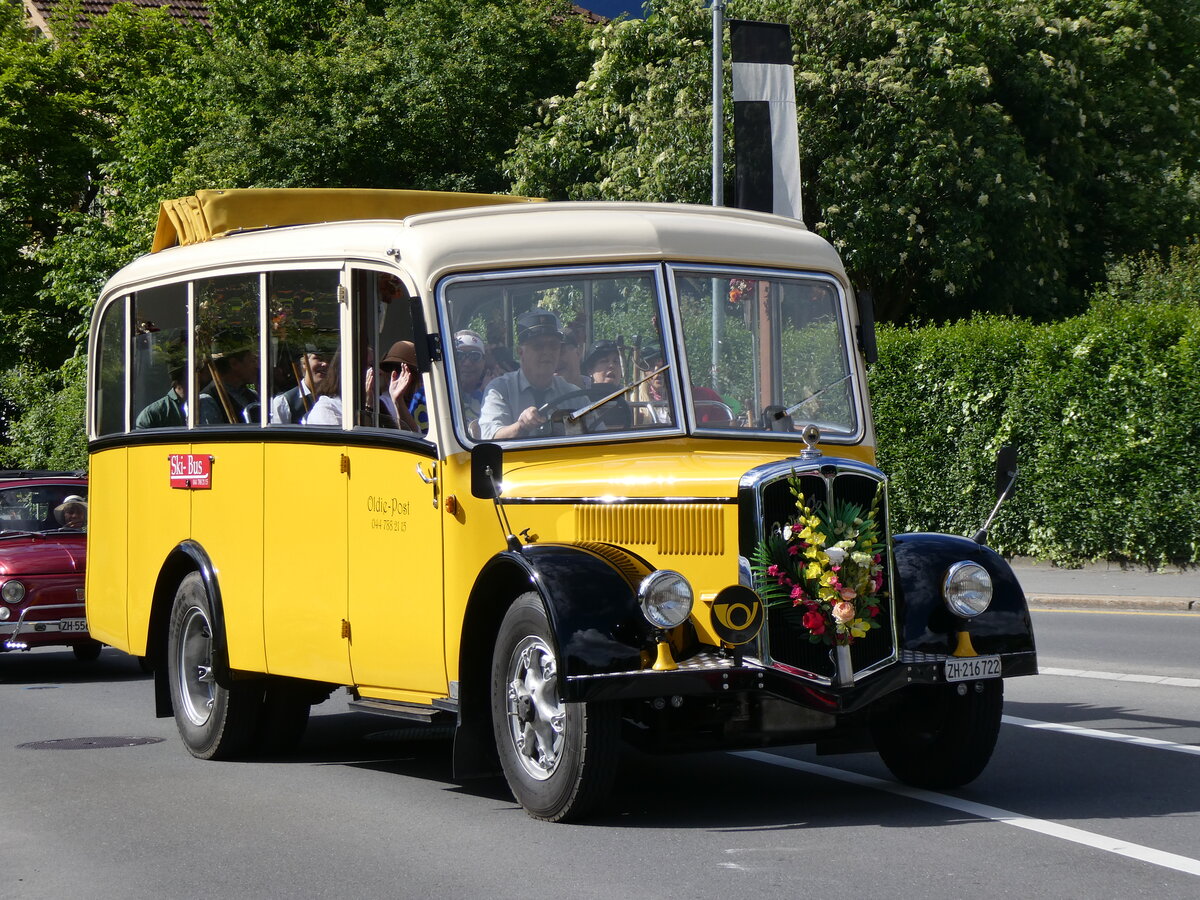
{"x":4,"y":613}
{"x":967,"y":589}
{"x":666,"y":598}
{"x":13,"y":592}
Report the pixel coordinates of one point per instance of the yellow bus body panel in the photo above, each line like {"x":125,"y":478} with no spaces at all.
{"x":227,"y":521}
{"x":395,"y":575}
{"x":159,"y":519}
{"x":106,"y":569}
{"x":304,"y":561}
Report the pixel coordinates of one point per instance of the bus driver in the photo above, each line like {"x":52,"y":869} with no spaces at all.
{"x":511,"y":402}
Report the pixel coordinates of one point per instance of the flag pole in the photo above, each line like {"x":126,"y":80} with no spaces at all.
{"x":718,"y":171}
{"x":718,"y":106}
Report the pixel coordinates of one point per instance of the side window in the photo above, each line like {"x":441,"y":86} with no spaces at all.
{"x":304,"y":367}
{"x":388,"y":390}
{"x":108,"y":402}
{"x":158,"y":356}
{"x":227,"y":350}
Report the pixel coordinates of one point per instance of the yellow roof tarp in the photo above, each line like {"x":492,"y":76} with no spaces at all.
{"x":213,"y":214}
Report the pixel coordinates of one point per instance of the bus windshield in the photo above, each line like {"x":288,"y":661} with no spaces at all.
{"x":558,"y":354}
{"x":766,"y":351}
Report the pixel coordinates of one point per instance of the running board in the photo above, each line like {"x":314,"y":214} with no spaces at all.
{"x":443,"y":712}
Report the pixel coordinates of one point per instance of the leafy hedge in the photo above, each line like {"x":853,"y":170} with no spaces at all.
{"x":1104,"y":411}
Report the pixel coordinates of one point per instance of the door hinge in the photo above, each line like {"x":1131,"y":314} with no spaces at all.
{"x":345,"y":630}
{"x":345,"y":466}
{"x":342,"y":294}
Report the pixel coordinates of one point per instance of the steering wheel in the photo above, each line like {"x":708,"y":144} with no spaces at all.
{"x":614,"y":415}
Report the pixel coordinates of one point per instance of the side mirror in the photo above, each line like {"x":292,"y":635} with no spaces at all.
{"x":487,"y":470}
{"x":866,"y":326}
{"x":1006,"y":477}
{"x":1006,"y":469}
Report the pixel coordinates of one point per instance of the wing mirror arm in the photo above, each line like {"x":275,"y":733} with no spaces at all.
{"x":487,"y":482}
{"x":1006,"y":478}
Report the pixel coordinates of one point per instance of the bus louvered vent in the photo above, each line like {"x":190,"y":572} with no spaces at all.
{"x":694,"y":529}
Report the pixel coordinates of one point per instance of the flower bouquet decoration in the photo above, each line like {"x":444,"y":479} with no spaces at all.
{"x":827,"y":565}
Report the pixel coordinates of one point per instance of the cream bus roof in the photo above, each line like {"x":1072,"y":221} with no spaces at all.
{"x":513,"y":235}
{"x":213,"y":214}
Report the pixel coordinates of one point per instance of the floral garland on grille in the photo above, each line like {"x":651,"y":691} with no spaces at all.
{"x":827,"y":564}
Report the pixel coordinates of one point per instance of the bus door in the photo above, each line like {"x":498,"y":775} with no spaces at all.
{"x":305,"y":479}
{"x":397,"y":642}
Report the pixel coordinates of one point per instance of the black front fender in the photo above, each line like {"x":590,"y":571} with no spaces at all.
{"x":591,"y":601}
{"x":925,"y":623}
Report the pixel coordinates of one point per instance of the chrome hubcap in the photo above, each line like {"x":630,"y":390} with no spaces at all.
{"x":196,"y":683}
{"x":536,"y":714}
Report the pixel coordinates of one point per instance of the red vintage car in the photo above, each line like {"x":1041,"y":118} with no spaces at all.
{"x":43,"y":552}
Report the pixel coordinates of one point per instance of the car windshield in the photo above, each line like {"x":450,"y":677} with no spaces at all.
{"x":766,"y":351}
{"x":559,"y":354}
{"x":43,"y":507}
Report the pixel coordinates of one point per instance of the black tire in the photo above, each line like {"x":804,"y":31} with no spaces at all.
{"x":559,"y":758}
{"x":283,"y":720}
{"x":87,"y":651}
{"x":932,"y":736}
{"x":215,"y":722}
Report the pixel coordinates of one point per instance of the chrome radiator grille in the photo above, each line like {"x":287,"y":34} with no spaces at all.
{"x":787,"y":641}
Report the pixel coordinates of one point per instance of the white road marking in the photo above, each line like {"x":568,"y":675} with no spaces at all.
{"x":1139,"y":852}
{"x":1103,"y":735}
{"x":1118,"y":676}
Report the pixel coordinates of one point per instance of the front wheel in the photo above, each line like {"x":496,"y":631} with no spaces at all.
{"x":215,"y":722}
{"x":933,"y":736}
{"x":559,"y":758}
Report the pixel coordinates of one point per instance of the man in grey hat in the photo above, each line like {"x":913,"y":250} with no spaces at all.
{"x":232,"y":395}
{"x":512,"y":402}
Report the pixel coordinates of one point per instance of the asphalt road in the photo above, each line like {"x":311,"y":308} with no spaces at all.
{"x":1094,"y":791}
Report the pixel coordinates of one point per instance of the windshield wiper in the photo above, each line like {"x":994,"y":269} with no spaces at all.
{"x":781,"y":413}
{"x":592,"y":407}
{"x":18,"y":533}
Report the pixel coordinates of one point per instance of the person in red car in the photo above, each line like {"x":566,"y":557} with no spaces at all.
{"x":43,"y":551}
{"x":72,"y":513}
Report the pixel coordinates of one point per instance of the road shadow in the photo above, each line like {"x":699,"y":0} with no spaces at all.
{"x":58,"y":666}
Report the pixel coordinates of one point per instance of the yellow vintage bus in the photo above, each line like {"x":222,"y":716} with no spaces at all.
{"x":560,"y":475}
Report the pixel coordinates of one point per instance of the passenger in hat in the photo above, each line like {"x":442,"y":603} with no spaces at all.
{"x":232,"y":396}
{"x":515,"y":404}
{"x":171,"y":410}
{"x":312,"y":365}
{"x":603,"y":364}
{"x":71,"y":514}
{"x":469,"y":354}
{"x":570,"y":358}
{"x":405,"y":387}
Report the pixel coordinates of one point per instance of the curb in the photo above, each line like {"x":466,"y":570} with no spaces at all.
{"x":1177,"y":604}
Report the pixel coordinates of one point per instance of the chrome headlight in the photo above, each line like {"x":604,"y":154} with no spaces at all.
{"x":665,"y":598}
{"x":13,"y":592}
{"x":967,"y":589}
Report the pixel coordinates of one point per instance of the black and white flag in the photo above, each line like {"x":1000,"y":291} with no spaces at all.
{"x":765,"y":140}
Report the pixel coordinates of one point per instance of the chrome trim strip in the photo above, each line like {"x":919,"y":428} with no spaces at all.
{"x":753,"y":479}
{"x":604,"y":501}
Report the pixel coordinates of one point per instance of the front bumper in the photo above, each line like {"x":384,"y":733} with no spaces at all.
{"x":24,"y":632}
{"x":712,"y":673}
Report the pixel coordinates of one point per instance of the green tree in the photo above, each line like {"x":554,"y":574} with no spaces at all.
{"x":48,"y":164}
{"x":962,"y":155}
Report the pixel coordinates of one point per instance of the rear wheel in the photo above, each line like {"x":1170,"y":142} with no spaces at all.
{"x":932,"y":736}
{"x":559,"y":758}
{"x":215,"y":722}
